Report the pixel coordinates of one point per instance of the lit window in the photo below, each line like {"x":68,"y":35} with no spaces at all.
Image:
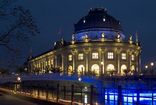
{"x":110,"y":67}
{"x":132,"y":57}
{"x":70,"y":57}
{"x":80,"y":56}
{"x":46,"y":63}
{"x":80,"y":69}
{"x":95,"y":69}
{"x":123,"y":69}
{"x":70,"y":70}
{"x":123,"y":56}
{"x":95,"y":56}
{"x":110,"y":55}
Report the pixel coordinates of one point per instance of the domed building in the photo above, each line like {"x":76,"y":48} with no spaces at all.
{"x":98,"y":47}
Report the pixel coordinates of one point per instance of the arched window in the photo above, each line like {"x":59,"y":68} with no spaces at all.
{"x":132,"y":70}
{"x":95,"y":69}
{"x":70,"y":70}
{"x":123,"y":69}
{"x":80,"y":69}
{"x":110,"y":69}
{"x":70,"y":57}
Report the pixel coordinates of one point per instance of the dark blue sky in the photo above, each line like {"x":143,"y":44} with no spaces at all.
{"x":54,"y":16}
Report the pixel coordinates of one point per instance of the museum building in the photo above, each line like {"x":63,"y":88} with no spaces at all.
{"x":98,"y":47}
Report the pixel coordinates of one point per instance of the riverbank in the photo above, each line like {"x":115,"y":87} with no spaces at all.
{"x":28,"y":97}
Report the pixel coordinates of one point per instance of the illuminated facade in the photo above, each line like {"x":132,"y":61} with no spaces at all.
{"x":98,"y":47}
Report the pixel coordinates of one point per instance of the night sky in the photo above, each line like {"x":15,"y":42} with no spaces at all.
{"x":56,"y":18}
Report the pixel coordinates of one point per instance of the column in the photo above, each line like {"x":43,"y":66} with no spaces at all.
{"x":65,"y":63}
{"x":74,"y":54}
{"x":86,"y":57}
{"x":102,"y":62}
{"x":137,"y":62}
{"x":118,"y":61}
{"x":139,"y":66}
{"x":130,"y":59}
{"x":74,"y":69}
{"x":55,"y":61}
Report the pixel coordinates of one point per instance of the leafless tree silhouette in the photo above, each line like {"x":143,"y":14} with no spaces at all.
{"x":17,"y":24}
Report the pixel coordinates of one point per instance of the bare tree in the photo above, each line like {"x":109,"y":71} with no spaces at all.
{"x":17,"y":25}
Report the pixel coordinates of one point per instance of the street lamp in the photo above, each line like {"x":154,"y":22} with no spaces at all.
{"x":146,"y":67}
{"x":152,"y":64}
{"x":18,"y":79}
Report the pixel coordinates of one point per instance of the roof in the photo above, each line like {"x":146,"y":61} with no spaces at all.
{"x":97,"y":18}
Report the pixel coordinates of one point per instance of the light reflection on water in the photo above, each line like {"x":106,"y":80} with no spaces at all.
{"x":110,"y":98}
{"x":129,"y":97}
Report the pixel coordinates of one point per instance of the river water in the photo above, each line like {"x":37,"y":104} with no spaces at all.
{"x":84,"y":95}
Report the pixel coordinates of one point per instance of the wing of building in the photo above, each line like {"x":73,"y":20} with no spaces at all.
{"x":98,"y":47}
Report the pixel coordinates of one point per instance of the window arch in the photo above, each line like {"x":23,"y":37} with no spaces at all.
{"x":95,"y":69}
{"x":80,"y":69}
{"x":70,"y":70}
{"x":110,"y":67}
{"x":132,"y":69}
{"x":123,"y":68}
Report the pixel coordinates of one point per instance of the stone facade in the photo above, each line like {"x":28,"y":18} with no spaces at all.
{"x":87,"y":54}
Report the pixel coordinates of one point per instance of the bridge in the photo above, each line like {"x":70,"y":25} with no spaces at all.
{"x":53,"y":77}
{"x":142,"y":87}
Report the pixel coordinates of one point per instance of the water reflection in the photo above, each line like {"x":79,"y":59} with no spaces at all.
{"x":82,"y":96}
{"x":131,"y":97}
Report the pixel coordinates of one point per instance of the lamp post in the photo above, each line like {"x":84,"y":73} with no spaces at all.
{"x":152,"y":64}
{"x":146,"y":70}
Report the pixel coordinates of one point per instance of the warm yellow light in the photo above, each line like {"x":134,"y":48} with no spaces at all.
{"x":73,"y":42}
{"x":102,"y":63}
{"x":130,"y":40}
{"x":81,"y":69}
{"x":110,"y":67}
{"x":132,"y":68}
{"x":123,"y":68}
{"x":86,"y":40}
{"x":95,"y":69}
{"x":70,"y":70}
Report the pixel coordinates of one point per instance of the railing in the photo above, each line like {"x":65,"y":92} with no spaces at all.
{"x":54,"y":76}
